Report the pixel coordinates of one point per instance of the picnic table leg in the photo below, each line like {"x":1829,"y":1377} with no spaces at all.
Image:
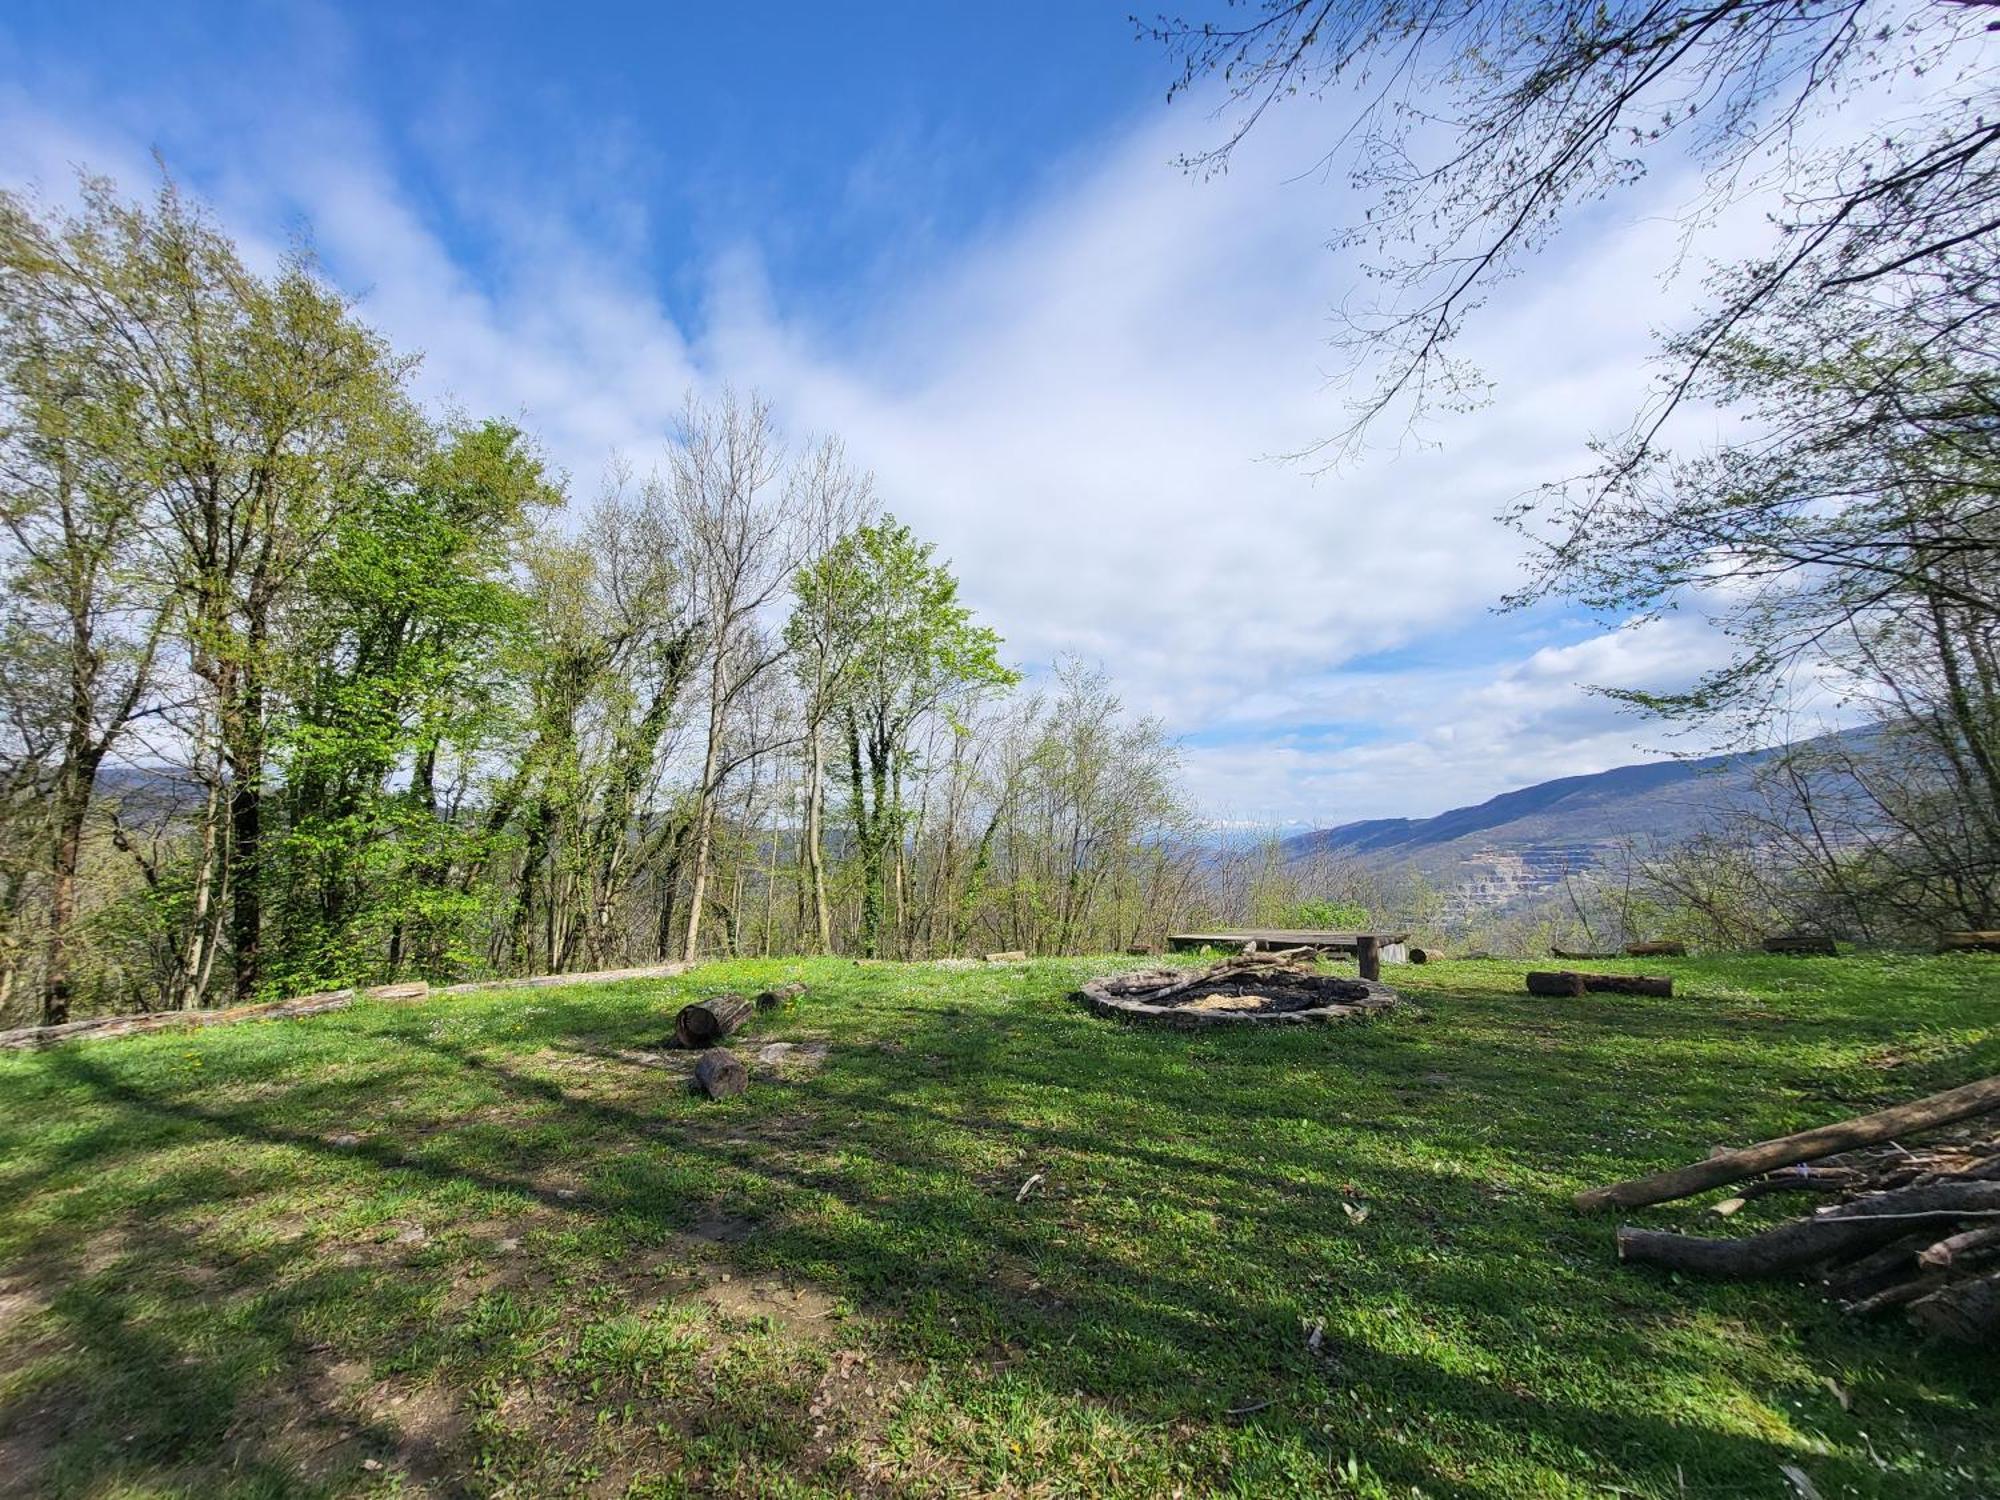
{"x":1368,"y":953}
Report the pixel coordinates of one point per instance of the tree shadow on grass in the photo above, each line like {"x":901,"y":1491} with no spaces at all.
{"x":1447,"y":1357}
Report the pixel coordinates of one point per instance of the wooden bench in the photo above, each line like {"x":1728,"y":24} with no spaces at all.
{"x":1370,"y":949}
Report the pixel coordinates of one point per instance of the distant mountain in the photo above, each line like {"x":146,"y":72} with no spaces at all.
{"x":1520,"y":842}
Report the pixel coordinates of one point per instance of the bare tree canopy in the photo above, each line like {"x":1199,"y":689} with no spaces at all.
{"x":1477,"y":128}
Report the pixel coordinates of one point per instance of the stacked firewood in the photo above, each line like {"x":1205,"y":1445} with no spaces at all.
{"x":1914,"y":1227}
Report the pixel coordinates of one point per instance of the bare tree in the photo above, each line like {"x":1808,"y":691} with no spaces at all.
{"x":739,"y":530}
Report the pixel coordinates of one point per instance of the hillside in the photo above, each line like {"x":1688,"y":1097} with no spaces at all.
{"x":1523,"y":841}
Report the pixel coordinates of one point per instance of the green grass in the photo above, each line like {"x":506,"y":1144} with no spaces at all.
{"x":466,"y":1247}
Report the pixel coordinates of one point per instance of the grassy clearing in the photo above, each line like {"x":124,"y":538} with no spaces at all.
{"x":491,"y":1246}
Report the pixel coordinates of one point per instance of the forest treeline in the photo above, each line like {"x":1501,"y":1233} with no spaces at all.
{"x":305,"y":685}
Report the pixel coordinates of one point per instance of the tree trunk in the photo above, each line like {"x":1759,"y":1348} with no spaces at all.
{"x":704,"y":817}
{"x":74,"y":785}
{"x":243,"y":751}
{"x":816,"y":839}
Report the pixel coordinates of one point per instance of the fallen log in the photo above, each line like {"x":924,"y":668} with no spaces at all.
{"x":1859,"y":1225}
{"x":1808,"y":1145}
{"x":1628,"y":984}
{"x":720,"y":1073}
{"x":1569,"y":982}
{"x":1572,"y":953}
{"x":1010,"y":956}
{"x":1555,"y":982}
{"x":554,"y":981}
{"x":707,"y":1022}
{"x":779,"y":996}
{"x":1802,"y":945}
{"x":1969,"y":942}
{"x":97,"y":1027}
{"x":1656,"y":950}
{"x":1970,"y":1310}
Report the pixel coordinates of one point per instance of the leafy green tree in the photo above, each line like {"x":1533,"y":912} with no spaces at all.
{"x":260,"y":412}
{"x":912,"y":651}
{"x":390,"y":674}
{"x":75,"y":498}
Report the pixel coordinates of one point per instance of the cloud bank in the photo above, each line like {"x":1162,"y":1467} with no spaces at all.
{"x":1081,"y":406}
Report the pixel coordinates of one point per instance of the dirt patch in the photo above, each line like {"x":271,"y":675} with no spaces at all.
{"x":802,"y":1311}
{"x":791,"y":1059}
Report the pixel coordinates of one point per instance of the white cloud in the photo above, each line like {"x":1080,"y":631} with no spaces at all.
{"x":1079,"y":408}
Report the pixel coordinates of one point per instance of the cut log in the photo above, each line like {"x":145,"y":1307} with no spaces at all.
{"x":1808,"y":1145}
{"x":1969,"y":942}
{"x":1628,"y":984}
{"x":779,"y":996}
{"x":1420,"y":955}
{"x":1801,"y":945}
{"x":1656,"y":950}
{"x":1969,"y":1310}
{"x":1140,"y":950}
{"x":1851,"y":1227}
{"x":721,"y":1073}
{"x":1955,"y":1250}
{"x":1555,"y":982}
{"x":416,"y":989}
{"x":1573,"y":954}
{"x":707,"y":1022}
{"x":1010,"y":956}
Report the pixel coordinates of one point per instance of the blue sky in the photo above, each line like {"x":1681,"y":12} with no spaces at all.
{"x":956,"y":236}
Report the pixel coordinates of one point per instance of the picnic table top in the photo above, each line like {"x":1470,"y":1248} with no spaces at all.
{"x":1297,"y":937}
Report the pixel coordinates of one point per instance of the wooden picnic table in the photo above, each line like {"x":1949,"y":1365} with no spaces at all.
{"x":1367,"y":947}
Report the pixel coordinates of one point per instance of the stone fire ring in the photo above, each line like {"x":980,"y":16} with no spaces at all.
{"x":1349,"y":1000}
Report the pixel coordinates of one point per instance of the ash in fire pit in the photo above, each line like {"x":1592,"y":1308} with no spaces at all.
{"x":1273,"y":987}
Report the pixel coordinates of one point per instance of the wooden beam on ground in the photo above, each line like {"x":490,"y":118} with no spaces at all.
{"x":1724,"y":1167}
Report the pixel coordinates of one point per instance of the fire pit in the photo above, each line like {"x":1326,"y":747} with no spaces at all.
{"x":1264,"y":989}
